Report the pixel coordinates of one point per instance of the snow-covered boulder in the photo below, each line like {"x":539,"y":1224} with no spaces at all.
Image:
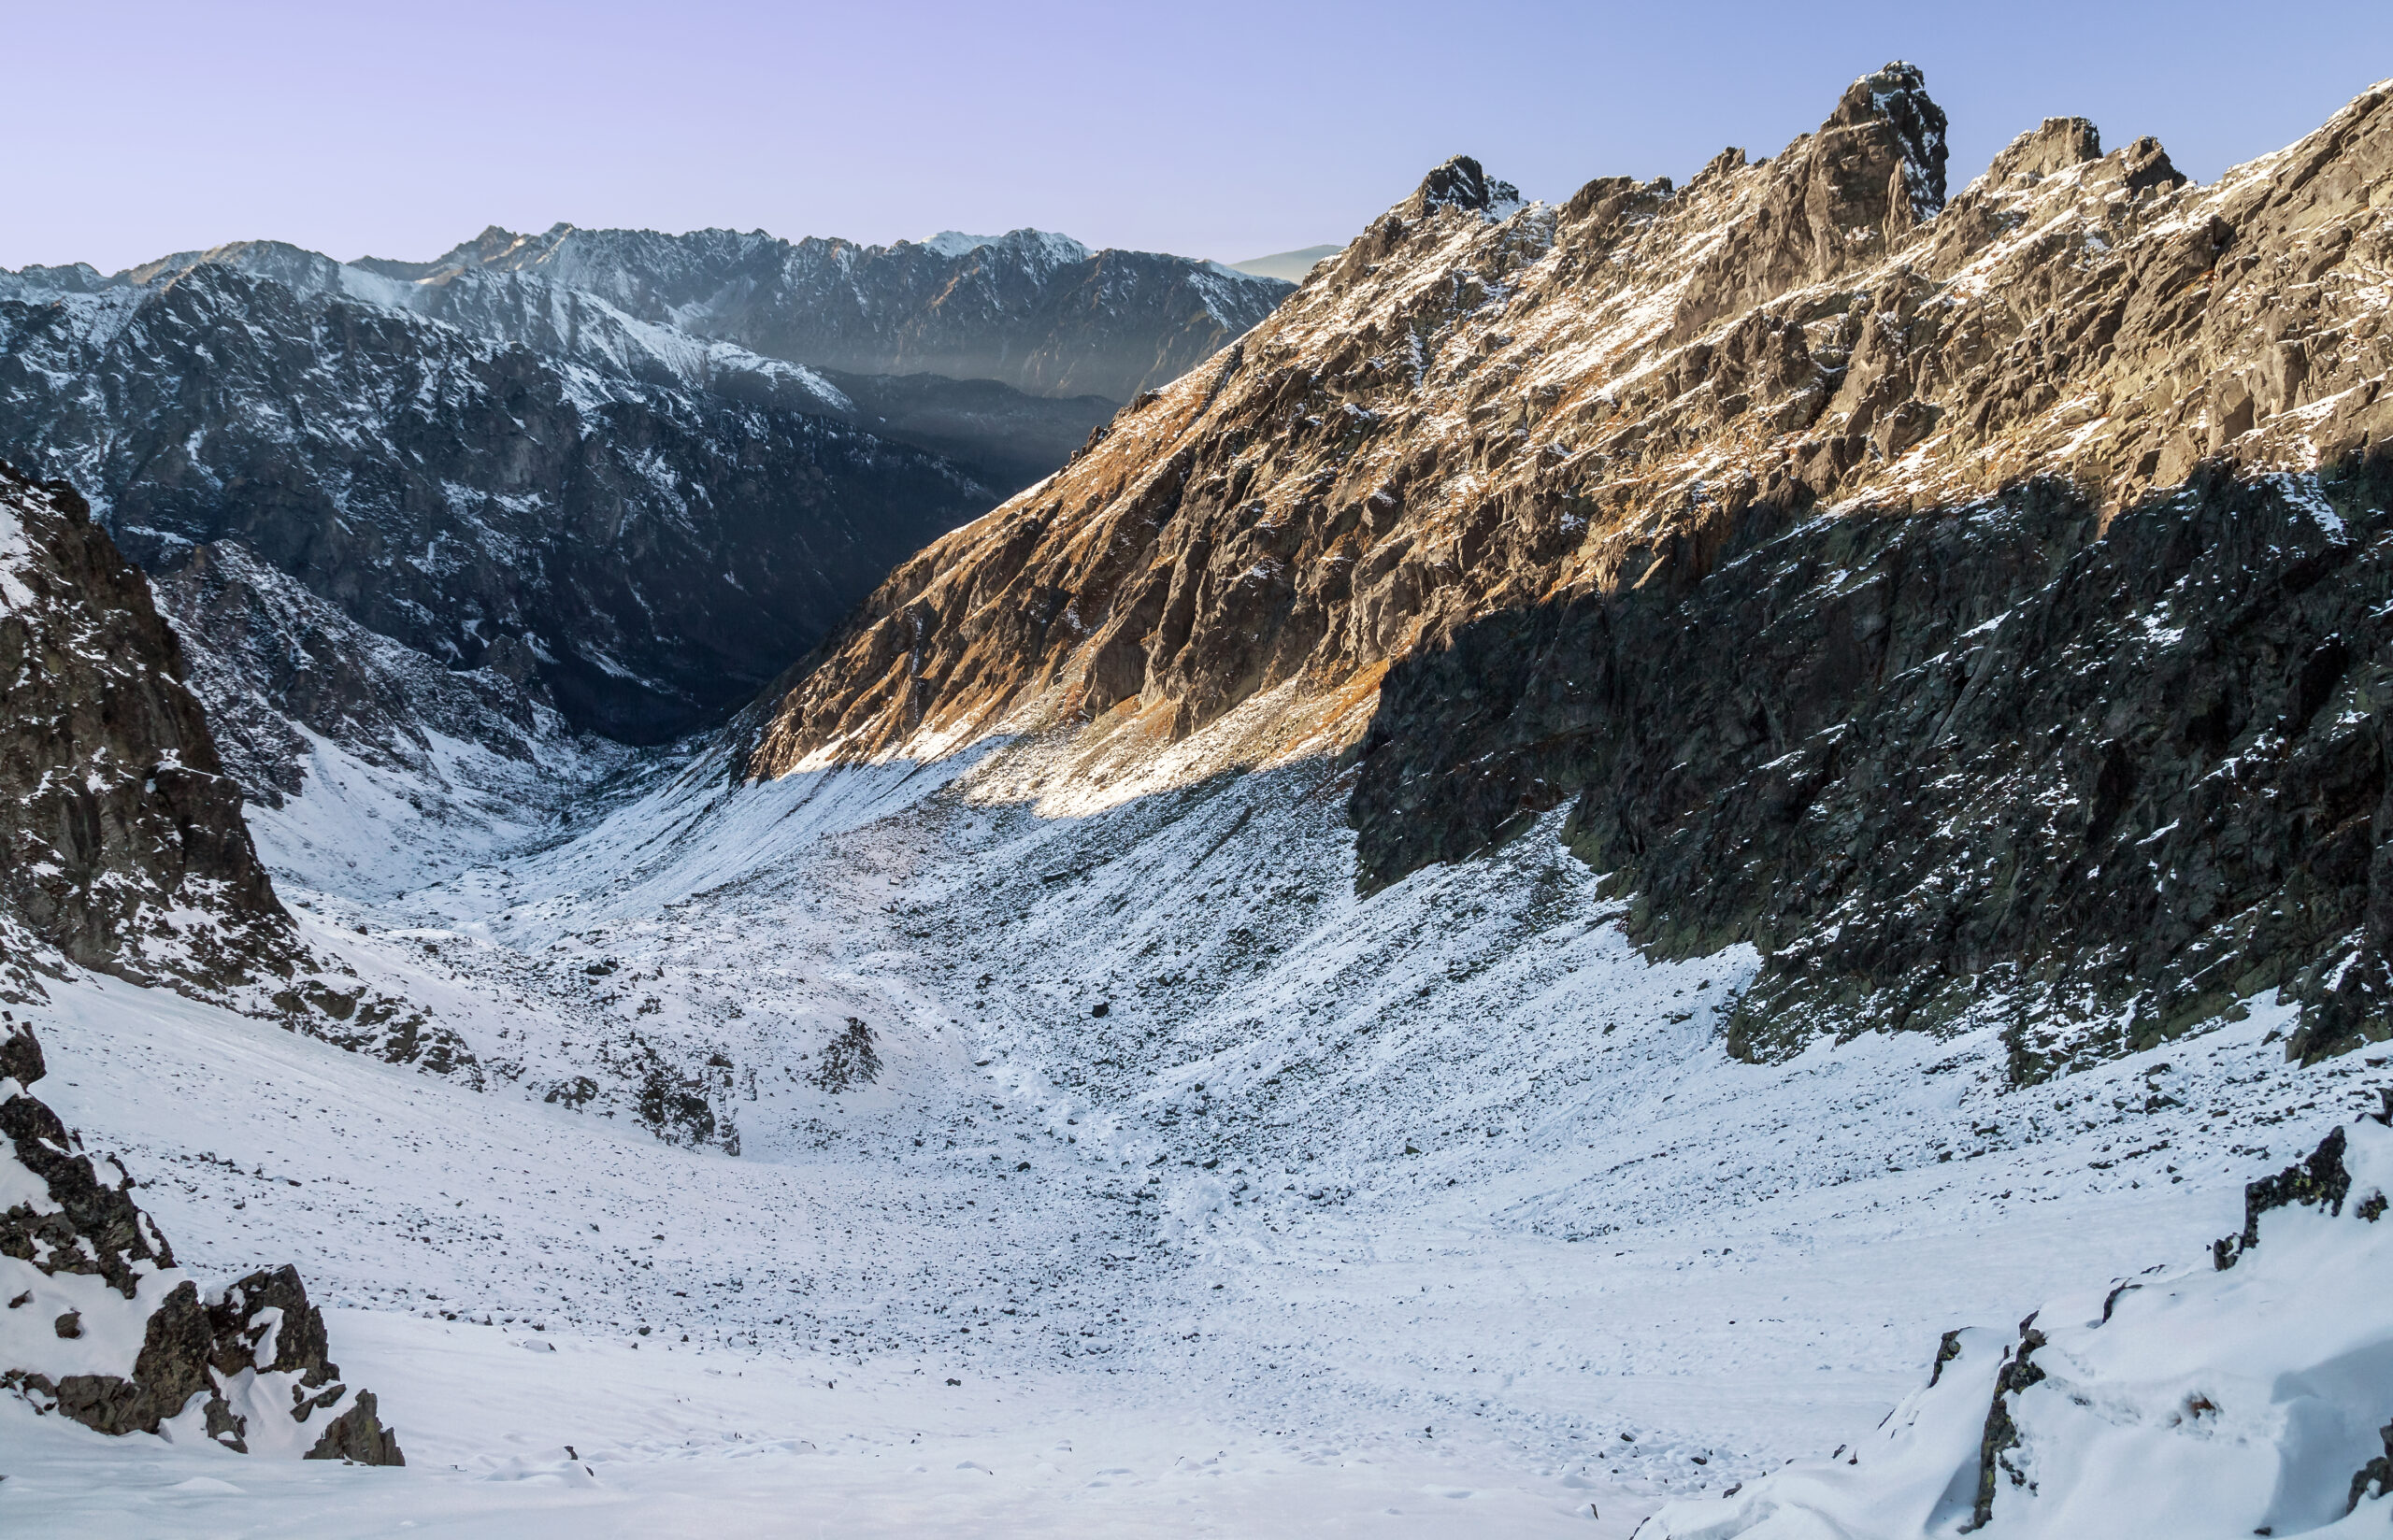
{"x":99,"y":1325}
{"x":2251,"y":1395}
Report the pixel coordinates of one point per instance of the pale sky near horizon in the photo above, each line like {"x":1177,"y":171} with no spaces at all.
{"x":1226,"y":129}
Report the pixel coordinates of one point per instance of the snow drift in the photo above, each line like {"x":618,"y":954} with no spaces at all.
{"x":2250,"y":1395}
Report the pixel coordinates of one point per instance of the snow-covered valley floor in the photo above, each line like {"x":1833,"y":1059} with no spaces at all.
{"x":1193,"y":1194}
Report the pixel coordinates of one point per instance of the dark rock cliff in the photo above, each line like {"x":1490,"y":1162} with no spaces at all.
{"x":2002,"y":764}
{"x":122,"y":845}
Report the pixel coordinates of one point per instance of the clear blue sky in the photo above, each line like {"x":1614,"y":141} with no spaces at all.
{"x":1217,"y":128}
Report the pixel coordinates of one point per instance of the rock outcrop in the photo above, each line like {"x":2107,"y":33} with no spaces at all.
{"x":1969,"y":601}
{"x":98,"y":1324}
{"x":122,"y":845}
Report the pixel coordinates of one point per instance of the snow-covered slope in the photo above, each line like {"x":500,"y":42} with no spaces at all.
{"x":2195,"y":1402}
{"x":1344,"y":1205}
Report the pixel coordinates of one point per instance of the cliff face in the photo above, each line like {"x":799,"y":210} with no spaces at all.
{"x":122,"y":845}
{"x":1804,"y":527}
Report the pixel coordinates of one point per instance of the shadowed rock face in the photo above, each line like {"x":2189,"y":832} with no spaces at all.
{"x":122,"y":848}
{"x":253,"y":1362}
{"x":1603,"y":489}
{"x":122,"y":843}
{"x":2004,"y":766}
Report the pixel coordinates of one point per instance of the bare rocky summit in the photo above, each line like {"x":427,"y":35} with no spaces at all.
{"x":1972,"y":602}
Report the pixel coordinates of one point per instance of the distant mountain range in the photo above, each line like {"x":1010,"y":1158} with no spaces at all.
{"x":602,"y":462}
{"x":1033,"y":310}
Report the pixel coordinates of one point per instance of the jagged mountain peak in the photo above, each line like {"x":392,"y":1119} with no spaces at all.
{"x":1049,"y":244}
{"x":1460,"y":182}
{"x":2053,"y":146}
{"x":1896,"y":96}
{"x":497,"y":247}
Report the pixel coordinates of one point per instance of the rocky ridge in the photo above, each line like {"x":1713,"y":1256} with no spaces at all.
{"x":1799,"y":528}
{"x":995,"y":435}
{"x":101,"y":1327}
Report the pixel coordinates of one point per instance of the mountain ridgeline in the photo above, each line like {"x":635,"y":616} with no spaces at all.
{"x":640,"y":521}
{"x":1031,"y":309}
{"x":1974,"y":601}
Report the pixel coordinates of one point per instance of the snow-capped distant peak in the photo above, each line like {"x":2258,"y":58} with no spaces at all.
{"x":955,"y":243}
{"x":1046,"y":245}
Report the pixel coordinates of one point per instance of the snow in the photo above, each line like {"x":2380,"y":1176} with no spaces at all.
{"x":1393,"y":1212}
{"x":2192,"y":1401}
{"x":16,"y":555}
{"x":2302,"y":491}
